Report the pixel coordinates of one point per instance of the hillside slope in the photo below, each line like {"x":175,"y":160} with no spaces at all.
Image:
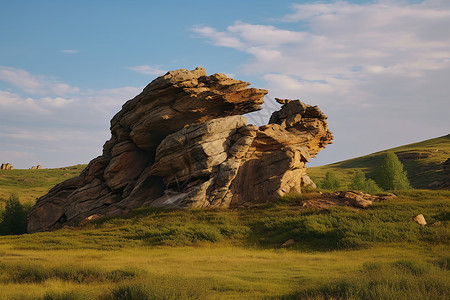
{"x":423,"y":161}
{"x":31,"y":184}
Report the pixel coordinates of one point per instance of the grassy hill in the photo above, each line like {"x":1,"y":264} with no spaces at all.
{"x":422,"y":161}
{"x":31,"y":184}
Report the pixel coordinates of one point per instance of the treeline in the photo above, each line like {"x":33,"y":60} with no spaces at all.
{"x":13,"y":217}
{"x":388,"y":176}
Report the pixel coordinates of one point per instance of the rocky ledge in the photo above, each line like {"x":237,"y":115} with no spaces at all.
{"x":183,"y":142}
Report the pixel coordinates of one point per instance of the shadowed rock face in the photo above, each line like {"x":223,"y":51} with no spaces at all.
{"x":183,"y":142}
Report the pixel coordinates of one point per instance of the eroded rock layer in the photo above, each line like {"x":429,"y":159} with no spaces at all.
{"x":183,"y":142}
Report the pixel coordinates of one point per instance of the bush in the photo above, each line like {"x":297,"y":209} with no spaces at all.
{"x":360,"y":183}
{"x":390,"y":175}
{"x":331,"y":182}
{"x":14,"y":217}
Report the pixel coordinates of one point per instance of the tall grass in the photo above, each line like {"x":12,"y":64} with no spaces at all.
{"x":402,"y":279}
{"x":38,"y":273}
{"x":338,"y":253}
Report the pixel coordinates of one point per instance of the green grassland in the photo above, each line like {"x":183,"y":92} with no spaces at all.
{"x":339,"y":253}
{"x":31,"y":184}
{"x":422,"y":161}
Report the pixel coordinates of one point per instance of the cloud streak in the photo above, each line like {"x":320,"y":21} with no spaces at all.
{"x":147,"y":70}
{"x":34,"y":84}
{"x":70,"y":51}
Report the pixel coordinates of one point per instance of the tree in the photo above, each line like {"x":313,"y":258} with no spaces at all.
{"x":14,"y":217}
{"x":390,"y":175}
{"x":331,"y":182}
{"x":360,"y":183}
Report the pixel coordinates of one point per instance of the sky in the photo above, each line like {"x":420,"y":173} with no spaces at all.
{"x":380,"y":70}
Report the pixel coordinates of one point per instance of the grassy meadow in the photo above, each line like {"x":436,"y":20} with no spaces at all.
{"x":338,"y":253}
{"x":31,"y":184}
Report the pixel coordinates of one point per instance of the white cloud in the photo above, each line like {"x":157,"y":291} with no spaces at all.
{"x":221,"y":39}
{"x":147,"y":70}
{"x":70,"y":51}
{"x":358,"y":62}
{"x":58,"y":131}
{"x":34,"y":84}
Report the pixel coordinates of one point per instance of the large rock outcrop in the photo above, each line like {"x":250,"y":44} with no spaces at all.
{"x":183,"y":142}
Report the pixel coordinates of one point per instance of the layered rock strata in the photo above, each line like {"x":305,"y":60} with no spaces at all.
{"x":183,"y":142}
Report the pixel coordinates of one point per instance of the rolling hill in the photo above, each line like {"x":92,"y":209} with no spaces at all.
{"x":423,"y":161}
{"x":31,"y":184}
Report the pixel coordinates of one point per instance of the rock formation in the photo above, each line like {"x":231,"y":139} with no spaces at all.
{"x":38,"y":167}
{"x":6,"y":166}
{"x":183,"y":142}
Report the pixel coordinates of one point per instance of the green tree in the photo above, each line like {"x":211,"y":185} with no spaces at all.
{"x":14,"y":217}
{"x":390,"y":175}
{"x":331,"y":182}
{"x":360,"y":183}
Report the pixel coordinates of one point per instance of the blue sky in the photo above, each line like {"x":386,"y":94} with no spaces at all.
{"x":378,"y":69}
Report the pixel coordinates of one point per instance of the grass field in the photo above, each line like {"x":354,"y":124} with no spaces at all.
{"x":340,"y":253}
{"x":31,"y":184}
{"x":421,"y":161}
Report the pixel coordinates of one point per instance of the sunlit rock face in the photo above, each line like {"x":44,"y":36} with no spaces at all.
{"x":183,"y":142}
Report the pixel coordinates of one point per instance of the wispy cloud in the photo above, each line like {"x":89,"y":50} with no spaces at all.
{"x":70,"y":51}
{"x":148,"y":70}
{"x":359,"y":62}
{"x":34,"y":84}
{"x":65,"y":129}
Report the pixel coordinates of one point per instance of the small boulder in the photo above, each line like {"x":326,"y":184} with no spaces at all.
{"x":360,"y":202}
{"x":308,"y":183}
{"x":6,"y":166}
{"x":357,"y":199}
{"x":90,"y":218}
{"x":419,"y":219}
{"x":288,"y":243}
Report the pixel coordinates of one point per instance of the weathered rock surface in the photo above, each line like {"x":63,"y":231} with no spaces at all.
{"x":183,"y":142}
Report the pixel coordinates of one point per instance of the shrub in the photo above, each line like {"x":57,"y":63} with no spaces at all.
{"x":360,"y":183}
{"x":14,"y":217}
{"x":331,"y":182}
{"x":390,"y":175}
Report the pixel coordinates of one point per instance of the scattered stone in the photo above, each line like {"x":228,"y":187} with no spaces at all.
{"x":419,"y":219}
{"x":437,"y":224}
{"x":359,"y":201}
{"x":288,"y":243}
{"x":183,"y":142}
{"x":90,"y":218}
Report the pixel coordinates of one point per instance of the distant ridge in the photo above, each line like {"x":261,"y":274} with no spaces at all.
{"x":423,"y":161}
